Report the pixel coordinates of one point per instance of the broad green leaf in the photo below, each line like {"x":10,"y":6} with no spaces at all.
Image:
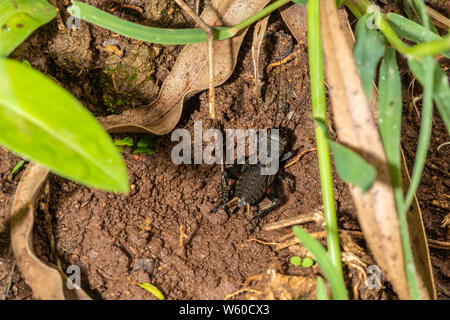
{"x":412,"y":31}
{"x":321,"y":291}
{"x":390,"y":118}
{"x":152,"y":289}
{"x":19,"y":18}
{"x":369,"y":49}
{"x":302,"y":2}
{"x":42,"y":122}
{"x":441,"y":87}
{"x":349,"y":165}
{"x":336,"y":282}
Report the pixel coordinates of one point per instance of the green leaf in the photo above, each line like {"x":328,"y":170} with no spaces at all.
{"x":428,"y":65}
{"x":145,"y":145}
{"x":349,"y":165}
{"x":152,"y":289}
{"x":296,"y":261}
{"x":43,"y":122}
{"x":412,"y":31}
{"x":307,"y":262}
{"x":18,"y":166}
{"x":390,"y":118}
{"x":127,"y":141}
{"x":302,"y":2}
{"x":419,"y":7}
{"x":19,"y":18}
{"x":369,"y":49}
{"x":320,"y":254}
{"x":321,"y":291}
{"x":441,"y":87}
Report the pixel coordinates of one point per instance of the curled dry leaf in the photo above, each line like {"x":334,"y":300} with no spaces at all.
{"x":46,"y":281}
{"x":356,"y":128}
{"x":294,"y":15}
{"x":189,"y":75}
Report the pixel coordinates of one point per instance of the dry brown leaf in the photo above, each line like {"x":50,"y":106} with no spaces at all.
{"x":46,"y":281}
{"x":189,"y":75}
{"x":356,"y":128}
{"x":294,"y":15}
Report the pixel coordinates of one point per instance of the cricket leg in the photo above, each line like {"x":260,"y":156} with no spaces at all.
{"x":286,"y":177}
{"x":273,"y":195}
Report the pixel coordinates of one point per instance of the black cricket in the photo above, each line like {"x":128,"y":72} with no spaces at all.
{"x":252,"y":186}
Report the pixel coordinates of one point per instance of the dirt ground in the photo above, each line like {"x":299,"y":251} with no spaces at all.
{"x":162,"y":231}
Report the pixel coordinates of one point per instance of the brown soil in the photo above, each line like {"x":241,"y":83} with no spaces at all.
{"x":117,"y":239}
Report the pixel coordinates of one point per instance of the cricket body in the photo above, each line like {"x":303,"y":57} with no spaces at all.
{"x":252,"y":184}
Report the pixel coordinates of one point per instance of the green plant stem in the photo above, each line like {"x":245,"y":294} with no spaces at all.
{"x":429,"y":48}
{"x":163,"y":35}
{"x":316,"y":70}
{"x":419,"y":162}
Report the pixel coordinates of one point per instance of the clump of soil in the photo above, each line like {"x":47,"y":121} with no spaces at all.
{"x":162,"y":232}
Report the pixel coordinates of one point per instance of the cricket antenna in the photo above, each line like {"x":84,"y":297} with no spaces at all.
{"x":298,"y":107}
{"x":278,"y":97}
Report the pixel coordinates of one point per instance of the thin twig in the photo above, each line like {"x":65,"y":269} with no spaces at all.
{"x":210,"y":33}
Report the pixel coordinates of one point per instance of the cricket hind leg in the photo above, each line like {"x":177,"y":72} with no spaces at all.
{"x":287,"y":177}
{"x":273,"y":195}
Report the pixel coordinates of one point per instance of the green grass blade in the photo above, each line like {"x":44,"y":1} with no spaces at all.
{"x":390,"y":118}
{"x":18,"y":19}
{"x":389,"y":122}
{"x":412,"y":31}
{"x":368,"y":50}
{"x":421,"y":153}
{"x":42,"y":122}
{"x":321,"y":291}
{"x":429,"y":48}
{"x":335,"y":279}
{"x":162,"y":35}
{"x":441,"y":87}
{"x":136,"y":31}
{"x":419,"y":6}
